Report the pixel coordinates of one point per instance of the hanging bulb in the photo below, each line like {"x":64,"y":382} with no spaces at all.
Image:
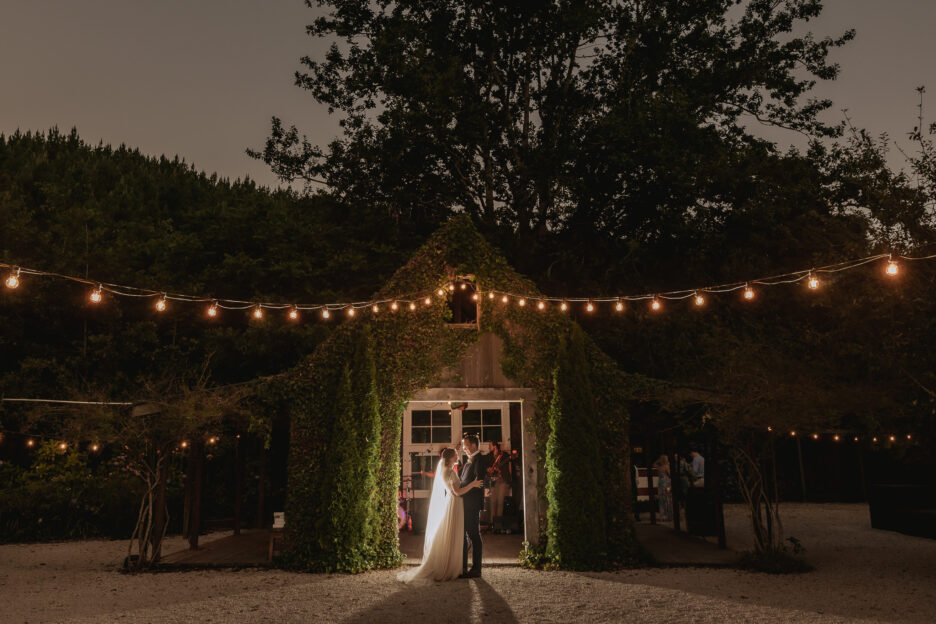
{"x":394,"y":306}
{"x":350,"y":311}
{"x":451,"y":287}
{"x":892,"y":439}
{"x":463,"y":285}
{"x":212,"y":440}
{"x":748,"y":292}
{"x":656,"y":305}
{"x":522,"y":302}
{"x":892,"y":267}
{"x":30,"y":443}
{"x":294,"y":314}
{"x":874,"y":439}
{"x":94,"y":448}
{"x":213,"y":310}
{"x":835,"y":437}
{"x":439,"y":292}
{"x":619,"y":306}
{"x":474,"y":297}
{"x":183,"y":444}
{"x":96,"y":295}
{"x":490,"y":295}
{"x":769,"y":428}
{"x":62,"y":446}
{"x":563,"y":306}
{"x":325,"y":313}
{"x":161,"y":304}
{"x":541,"y":305}
{"x":375,"y":308}
{"x":12,"y":281}
{"x":699,"y":299}
{"x":258,"y":312}
{"x":812,"y":282}
{"x":412,"y":306}
{"x":793,"y":434}
{"x":908,"y":436}
{"x":856,"y":438}
{"x":590,"y":307}
{"x":504,"y":299}
{"x":815,"y":436}
{"x":427,"y":300}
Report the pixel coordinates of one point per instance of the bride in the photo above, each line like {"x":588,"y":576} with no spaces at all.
{"x":445,"y":525}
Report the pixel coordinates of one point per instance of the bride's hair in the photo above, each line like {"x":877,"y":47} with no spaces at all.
{"x":448,"y":456}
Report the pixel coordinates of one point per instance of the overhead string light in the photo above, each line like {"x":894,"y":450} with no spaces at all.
{"x":812,"y":278}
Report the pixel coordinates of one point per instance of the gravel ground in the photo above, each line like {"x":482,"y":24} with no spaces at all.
{"x":861,"y":574}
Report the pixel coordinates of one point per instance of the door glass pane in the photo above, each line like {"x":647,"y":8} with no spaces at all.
{"x":421,"y":435}
{"x":474,"y":430}
{"x":471,"y":417}
{"x":491,"y":417}
{"x":441,"y":418}
{"x":423,"y":463}
{"x":422,"y":418}
{"x":491,"y":434}
{"x":442,"y":434}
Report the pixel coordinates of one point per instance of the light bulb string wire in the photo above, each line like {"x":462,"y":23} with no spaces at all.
{"x":240,"y":304}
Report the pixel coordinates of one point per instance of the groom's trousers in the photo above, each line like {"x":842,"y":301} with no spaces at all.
{"x":472,"y":536}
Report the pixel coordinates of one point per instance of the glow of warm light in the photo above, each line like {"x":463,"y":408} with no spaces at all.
{"x":184,"y":444}
{"x":619,"y":306}
{"x":451,"y":287}
{"x":590,"y":307}
{"x":212,"y":440}
{"x":504,"y":299}
{"x":474,"y":297}
{"x":412,"y":306}
{"x":394,"y":306}
{"x":258,"y":312}
{"x":892,"y":439}
{"x":892,"y":268}
{"x":490,"y":295}
{"x":699,"y":299}
{"x":463,"y":286}
{"x":161,"y":305}
{"x":294,"y":315}
{"x":30,"y":443}
{"x":350,"y":311}
{"x":874,"y":439}
{"x":427,"y":300}
{"x":563,"y":306}
{"x":522,"y":302}
{"x":815,"y":436}
{"x":813,"y":282}
{"x":13,"y":280}
{"x":908,"y":436}
{"x":655,"y":305}
{"x":62,"y":446}
{"x":769,"y":428}
{"x":213,"y":310}
{"x":94,"y":448}
{"x":748,"y":293}
{"x":856,"y":438}
{"x":325,"y":314}
{"x":440,"y":292}
{"x":96,"y":295}
{"x":835,"y":437}
{"x":541,"y":305}
{"x":375,"y":308}
{"x":793,"y":434}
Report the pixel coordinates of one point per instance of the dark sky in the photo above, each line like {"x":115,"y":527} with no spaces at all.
{"x":201,"y":78}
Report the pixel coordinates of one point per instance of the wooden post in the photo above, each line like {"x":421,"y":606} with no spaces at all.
{"x":802,"y":473}
{"x":713,"y":481}
{"x":198,"y":457}
{"x":238,"y":484}
{"x":261,"y":487}
{"x":159,"y":511}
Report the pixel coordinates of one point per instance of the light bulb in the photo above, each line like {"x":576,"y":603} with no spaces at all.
{"x":769,"y":428}
{"x":12,"y":281}
{"x":350,"y":311}
{"x":874,"y":439}
{"x":427,"y":300}
{"x":463,"y":286}
{"x":892,"y":268}
{"x":563,"y":306}
{"x":655,"y":304}
{"x":375,"y":308}
{"x":440,"y":292}
{"x":892,"y":438}
{"x":184,"y":444}
{"x":30,"y":443}
{"x":451,"y":287}
{"x":161,"y":304}
{"x":96,"y":295}
{"x":813,"y":282}
{"x":325,"y":313}
{"x":619,"y":306}
{"x":590,"y":307}
{"x":748,"y":293}
{"x":793,"y":434}
{"x":294,"y":314}
{"x":212,"y":440}
{"x":835,"y":437}
{"x":258,"y":312}
{"x":62,"y":446}
{"x":213,"y":310}
{"x":699,"y":300}
{"x":474,"y":297}
{"x":522,"y":302}
{"x":541,"y":305}
{"x":412,"y":306}
{"x":856,"y":438}
{"x":815,"y":436}
{"x":94,"y":448}
{"x":908,"y":436}
{"x":504,"y":299}
{"x":394,"y":306}
{"x":490,"y":295}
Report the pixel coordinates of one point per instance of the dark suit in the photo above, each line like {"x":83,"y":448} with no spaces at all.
{"x":473,"y":504}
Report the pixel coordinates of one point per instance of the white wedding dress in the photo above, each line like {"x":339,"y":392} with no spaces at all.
{"x":445,"y":531}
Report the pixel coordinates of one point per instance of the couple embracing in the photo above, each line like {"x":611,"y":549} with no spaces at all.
{"x":454,"y":517}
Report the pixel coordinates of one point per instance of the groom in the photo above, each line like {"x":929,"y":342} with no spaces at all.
{"x":472,"y":468}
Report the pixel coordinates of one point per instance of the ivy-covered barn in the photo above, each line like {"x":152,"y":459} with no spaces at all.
{"x":363,"y":412}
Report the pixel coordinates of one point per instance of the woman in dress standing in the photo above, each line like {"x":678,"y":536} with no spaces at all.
{"x":662,"y":467}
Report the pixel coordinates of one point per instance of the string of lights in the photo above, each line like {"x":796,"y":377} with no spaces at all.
{"x":412,"y":301}
{"x":30,"y":440}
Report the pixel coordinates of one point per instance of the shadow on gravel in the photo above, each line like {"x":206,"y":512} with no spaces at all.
{"x":462,"y":600}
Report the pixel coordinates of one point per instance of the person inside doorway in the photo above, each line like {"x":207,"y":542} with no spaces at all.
{"x":499,"y":472}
